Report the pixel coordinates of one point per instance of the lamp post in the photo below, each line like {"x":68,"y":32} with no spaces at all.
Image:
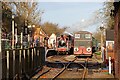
{"x":16,"y":37}
{"x":102,"y":30}
{"x":12,"y":31}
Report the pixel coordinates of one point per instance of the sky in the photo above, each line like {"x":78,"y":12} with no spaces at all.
{"x":74,"y":15}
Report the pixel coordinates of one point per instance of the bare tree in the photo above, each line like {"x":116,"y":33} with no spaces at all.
{"x":28,"y":11}
{"x":50,"y":28}
{"x":106,"y":11}
{"x":97,"y":35}
{"x":6,"y":17}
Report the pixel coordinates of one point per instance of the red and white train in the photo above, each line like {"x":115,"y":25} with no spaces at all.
{"x":83,"y":43}
{"x":64,"y":44}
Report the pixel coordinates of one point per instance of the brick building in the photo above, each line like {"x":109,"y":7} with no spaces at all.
{"x":117,"y":38}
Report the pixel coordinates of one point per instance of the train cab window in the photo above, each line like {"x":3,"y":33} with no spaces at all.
{"x":61,"y":43}
{"x":87,"y":36}
{"x":77,"y":35}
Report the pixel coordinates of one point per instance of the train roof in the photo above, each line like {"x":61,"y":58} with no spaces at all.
{"x":67,"y":33}
{"x":83,"y":32}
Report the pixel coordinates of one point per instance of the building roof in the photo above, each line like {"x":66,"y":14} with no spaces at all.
{"x":84,"y":32}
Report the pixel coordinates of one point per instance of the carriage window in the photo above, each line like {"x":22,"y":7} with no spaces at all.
{"x":77,"y":35}
{"x":87,"y":36}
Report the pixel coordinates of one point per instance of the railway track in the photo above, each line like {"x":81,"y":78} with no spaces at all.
{"x":71,"y":67}
{"x":77,"y":73}
{"x":65,"y":72}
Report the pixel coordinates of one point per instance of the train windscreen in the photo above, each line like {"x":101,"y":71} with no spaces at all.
{"x":83,"y":36}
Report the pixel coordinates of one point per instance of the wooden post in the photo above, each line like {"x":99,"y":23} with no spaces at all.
{"x":21,"y":39}
{"x":28,"y":40}
{"x":32,"y":58}
{"x":13,"y":62}
{"x":24,"y":59}
{"x":110,"y":65}
{"x":28,"y":60}
{"x":34,"y":62}
{"x":7,"y":65}
{"x":38,"y":57}
{"x":24,"y":53}
{"x":28,"y":52}
{"x":20,"y":70}
{"x":32,"y":53}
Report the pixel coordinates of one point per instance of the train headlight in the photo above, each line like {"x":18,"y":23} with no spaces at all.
{"x":88,"y":49}
{"x":75,"y":49}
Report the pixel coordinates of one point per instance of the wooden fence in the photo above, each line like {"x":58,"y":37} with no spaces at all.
{"x":22,"y":63}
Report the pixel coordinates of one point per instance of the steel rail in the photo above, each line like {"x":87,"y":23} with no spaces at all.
{"x":85,"y":69}
{"x":64,"y":68}
{"x":43,"y":73}
{"x":46,"y":72}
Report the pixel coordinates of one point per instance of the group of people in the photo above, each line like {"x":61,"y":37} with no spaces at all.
{"x":35,"y":42}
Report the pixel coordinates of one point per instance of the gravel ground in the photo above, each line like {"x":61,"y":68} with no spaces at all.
{"x":51,"y":73}
{"x":75,"y":72}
